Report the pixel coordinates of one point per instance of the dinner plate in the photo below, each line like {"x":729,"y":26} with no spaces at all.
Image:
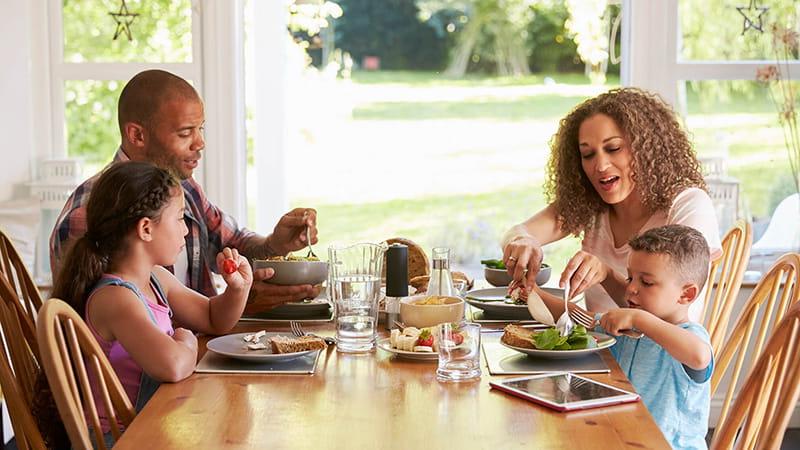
{"x":603,"y":341}
{"x":312,"y":307}
{"x":492,"y":302}
{"x":234,"y":346}
{"x":384,"y":344}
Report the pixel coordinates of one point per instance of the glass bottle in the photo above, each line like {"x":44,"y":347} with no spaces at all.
{"x":441,"y":282}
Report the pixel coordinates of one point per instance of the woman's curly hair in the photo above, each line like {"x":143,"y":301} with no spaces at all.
{"x":663,"y":165}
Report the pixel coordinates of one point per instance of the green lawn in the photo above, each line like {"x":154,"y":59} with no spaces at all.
{"x":744,"y":125}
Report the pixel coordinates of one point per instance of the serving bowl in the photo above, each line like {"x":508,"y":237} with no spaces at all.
{"x":500,"y":277}
{"x":415,"y":315}
{"x":291,"y":273}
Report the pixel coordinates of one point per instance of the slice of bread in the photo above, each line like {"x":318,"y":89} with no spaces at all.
{"x":517,"y":336}
{"x":286,"y":344}
{"x":420,"y":283}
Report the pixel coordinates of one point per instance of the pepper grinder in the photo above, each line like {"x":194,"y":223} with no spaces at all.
{"x":396,"y":282}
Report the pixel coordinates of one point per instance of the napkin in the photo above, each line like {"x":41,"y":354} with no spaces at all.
{"x":539,"y":310}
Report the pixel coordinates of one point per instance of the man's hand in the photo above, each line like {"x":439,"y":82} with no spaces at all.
{"x":265,"y":296}
{"x":290,"y":232}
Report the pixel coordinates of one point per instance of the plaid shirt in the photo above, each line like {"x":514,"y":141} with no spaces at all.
{"x":210,"y":230}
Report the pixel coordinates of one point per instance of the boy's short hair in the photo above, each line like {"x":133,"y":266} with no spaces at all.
{"x":687,"y":249}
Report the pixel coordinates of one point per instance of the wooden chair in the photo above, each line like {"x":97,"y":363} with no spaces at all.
{"x":724,"y":281}
{"x":66,"y":346}
{"x":19,"y":368}
{"x":766,"y":402}
{"x":18,"y":291}
{"x":777,"y":291}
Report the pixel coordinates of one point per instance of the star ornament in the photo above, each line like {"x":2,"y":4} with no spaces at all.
{"x":753,"y":16}
{"x":124,"y":19}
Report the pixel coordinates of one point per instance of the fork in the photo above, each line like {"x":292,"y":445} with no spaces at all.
{"x":298,"y":331}
{"x":582,"y":317}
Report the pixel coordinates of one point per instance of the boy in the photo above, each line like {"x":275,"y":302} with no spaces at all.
{"x":670,"y":366}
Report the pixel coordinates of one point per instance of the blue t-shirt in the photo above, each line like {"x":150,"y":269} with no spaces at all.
{"x":677,"y":396}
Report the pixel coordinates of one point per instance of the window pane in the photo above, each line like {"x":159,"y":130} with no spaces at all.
{"x":735,"y":123}
{"x":712,"y":29}
{"x":91,"y":121}
{"x":162,"y":32}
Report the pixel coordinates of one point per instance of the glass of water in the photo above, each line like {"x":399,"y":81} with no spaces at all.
{"x":459,"y":352}
{"x":354,"y":282}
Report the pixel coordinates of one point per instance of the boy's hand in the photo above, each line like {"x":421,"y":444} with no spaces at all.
{"x":241,"y":277}
{"x":618,"y":320}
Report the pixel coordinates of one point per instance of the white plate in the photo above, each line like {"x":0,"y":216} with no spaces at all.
{"x":492,"y":302}
{"x":384,"y":344}
{"x":311,"y":307}
{"x":603,"y":341}
{"x":234,"y":346}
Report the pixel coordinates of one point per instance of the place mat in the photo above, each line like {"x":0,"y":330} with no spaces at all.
{"x":502,"y":360}
{"x":214,"y":363}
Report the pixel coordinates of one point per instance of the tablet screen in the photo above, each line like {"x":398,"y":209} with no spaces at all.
{"x":564,"y":388}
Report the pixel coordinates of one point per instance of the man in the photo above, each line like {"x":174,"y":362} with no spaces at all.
{"x":161,"y":121}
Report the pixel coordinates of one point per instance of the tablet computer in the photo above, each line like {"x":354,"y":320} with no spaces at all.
{"x":564,"y":391}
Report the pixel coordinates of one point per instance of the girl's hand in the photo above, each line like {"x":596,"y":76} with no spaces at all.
{"x":586,"y":270}
{"x":523,"y":257}
{"x":185,"y":337}
{"x":235,"y":269}
{"x":620,"y":319}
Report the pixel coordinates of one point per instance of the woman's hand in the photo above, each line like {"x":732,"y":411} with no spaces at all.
{"x":523,"y":257}
{"x":583,"y":271}
{"x":235,"y":269}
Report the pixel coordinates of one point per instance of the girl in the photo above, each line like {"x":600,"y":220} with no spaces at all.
{"x":620,"y":164}
{"x":114,"y":277}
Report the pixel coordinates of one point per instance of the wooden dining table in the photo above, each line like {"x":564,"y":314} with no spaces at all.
{"x":374,"y":401}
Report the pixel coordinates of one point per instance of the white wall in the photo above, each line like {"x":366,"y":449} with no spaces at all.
{"x":18,"y":128}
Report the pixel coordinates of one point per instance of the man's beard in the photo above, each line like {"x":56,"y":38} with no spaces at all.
{"x":161,"y":157}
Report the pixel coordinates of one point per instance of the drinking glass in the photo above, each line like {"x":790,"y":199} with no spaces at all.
{"x":459,"y":352}
{"x":354,"y":288}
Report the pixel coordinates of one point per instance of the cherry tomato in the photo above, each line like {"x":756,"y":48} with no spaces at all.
{"x":229,"y":266}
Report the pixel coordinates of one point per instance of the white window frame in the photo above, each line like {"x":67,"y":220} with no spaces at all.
{"x":217,"y":72}
{"x":651,"y":53}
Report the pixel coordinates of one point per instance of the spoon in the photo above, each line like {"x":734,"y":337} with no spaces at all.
{"x":565,"y":324}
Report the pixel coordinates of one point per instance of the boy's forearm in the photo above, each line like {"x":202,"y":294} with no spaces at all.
{"x":682,"y":344}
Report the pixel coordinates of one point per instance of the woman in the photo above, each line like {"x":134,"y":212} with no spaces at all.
{"x":620,"y":165}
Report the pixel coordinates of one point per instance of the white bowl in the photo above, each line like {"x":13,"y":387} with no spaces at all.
{"x":419,"y":316}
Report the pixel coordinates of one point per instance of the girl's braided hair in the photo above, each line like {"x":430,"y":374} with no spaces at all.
{"x":125,"y":193}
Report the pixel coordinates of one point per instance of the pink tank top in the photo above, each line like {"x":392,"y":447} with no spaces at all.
{"x":128,"y":372}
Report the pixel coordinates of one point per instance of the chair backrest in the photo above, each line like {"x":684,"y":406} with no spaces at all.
{"x":766,"y":402}
{"x":66,"y":347}
{"x":725,"y":279}
{"x":18,"y":290}
{"x":777,"y":291}
{"x":19,"y":368}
